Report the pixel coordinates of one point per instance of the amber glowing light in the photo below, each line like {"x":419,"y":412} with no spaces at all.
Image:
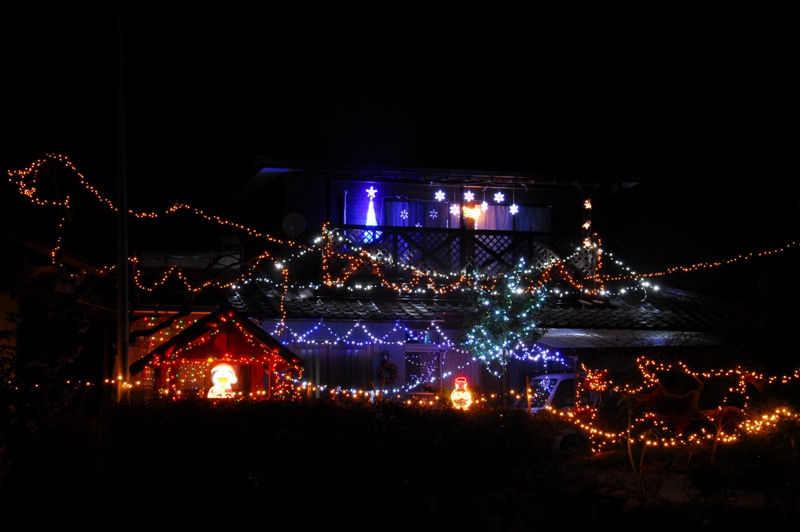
{"x":461,"y":396}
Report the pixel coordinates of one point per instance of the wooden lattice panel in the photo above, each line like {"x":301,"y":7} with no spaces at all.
{"x":494,"y":254}
{"x":428,"y":251}
{"x":583,"y":261}
{"x":359,"y":237}
{"x":489,"y":253}
{"x":541,"y":258}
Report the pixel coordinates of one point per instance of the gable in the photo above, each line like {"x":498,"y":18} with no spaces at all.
{"x":222,"y":334}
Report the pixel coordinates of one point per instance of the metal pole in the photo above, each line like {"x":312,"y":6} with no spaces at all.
{"x":528,"y":392}
{"x":122,"y":369}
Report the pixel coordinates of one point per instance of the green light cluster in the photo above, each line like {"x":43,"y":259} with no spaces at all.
{"x":505,"y":318}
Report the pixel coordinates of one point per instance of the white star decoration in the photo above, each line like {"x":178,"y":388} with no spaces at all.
{"x":439,"y":195}
{"x":499,"y":197}
{"x":469,"y":196}
{"x":484,"y":206}
{"x":514,"y":209}
{"x":371,"y":192}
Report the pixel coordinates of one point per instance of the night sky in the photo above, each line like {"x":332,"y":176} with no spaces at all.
{"x":702,"y":106}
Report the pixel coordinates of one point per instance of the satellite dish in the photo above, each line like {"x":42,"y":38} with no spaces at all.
{"x":293,"y":224}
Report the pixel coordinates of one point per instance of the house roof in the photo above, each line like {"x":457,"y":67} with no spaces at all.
{"x":222,"y":317}
{"x":265,"y":170}
{"x":634,"y":317}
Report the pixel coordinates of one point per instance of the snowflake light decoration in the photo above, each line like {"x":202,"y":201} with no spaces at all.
{"x":454,"y":209}
{"x":439,"y":195}
{"x":499,"y":197}
{"x":469,"y":196}
{"x":433,"y":214}
{"x":417,"y":224}
{"x":404,"y":214}
{"x":514,"y":209}
{"x":484,"y":206}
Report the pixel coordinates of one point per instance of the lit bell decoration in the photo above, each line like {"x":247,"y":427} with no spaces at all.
{"x":461,"y":397}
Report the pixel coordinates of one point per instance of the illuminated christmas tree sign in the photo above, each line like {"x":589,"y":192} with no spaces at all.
{"x":369,"y":236}
{"x":461,"y":396}
{"x":222,"y":375}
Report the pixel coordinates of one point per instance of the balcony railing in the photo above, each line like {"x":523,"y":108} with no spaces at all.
{"x":461,"y":250}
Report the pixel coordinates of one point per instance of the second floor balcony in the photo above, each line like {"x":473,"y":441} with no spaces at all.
{"x":486,"y":252}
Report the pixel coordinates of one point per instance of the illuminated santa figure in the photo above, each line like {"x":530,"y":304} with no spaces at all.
{"x":222,"y":375}
{"x":461,"y":397}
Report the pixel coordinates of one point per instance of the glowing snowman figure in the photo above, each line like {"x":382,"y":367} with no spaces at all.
{"x":461,"y":397}
{"x":222,"y":375}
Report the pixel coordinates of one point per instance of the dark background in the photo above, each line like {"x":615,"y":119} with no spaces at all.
{"x":700,"y":106}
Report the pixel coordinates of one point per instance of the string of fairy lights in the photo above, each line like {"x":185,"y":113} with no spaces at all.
{"x":339,"y":266}
{"x":357,"y":335}
{"x":724,"y":423}
{"x":585,"y":416}
{"x":183,"y":373}
{"x":353,"y":261}
{"x":350,"y":262}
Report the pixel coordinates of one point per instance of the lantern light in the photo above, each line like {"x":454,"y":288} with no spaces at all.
{"x":461,"y":396}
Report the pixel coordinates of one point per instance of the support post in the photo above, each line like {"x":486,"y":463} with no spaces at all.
{"x":122,"y":366}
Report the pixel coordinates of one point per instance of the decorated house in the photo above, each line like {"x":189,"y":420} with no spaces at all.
{"x":362,"y":278}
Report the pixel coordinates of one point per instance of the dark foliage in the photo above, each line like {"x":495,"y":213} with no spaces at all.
{"x":385,"y":464}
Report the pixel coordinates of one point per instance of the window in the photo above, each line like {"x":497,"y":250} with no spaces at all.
{"x":408,"y":212}
{"x":499,"y":218}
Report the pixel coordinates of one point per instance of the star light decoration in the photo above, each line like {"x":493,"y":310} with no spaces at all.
{"x":469,"y":196}
{"x":439,"y":195}
{"x":499,"y":197}
{"x":371,"y":192}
